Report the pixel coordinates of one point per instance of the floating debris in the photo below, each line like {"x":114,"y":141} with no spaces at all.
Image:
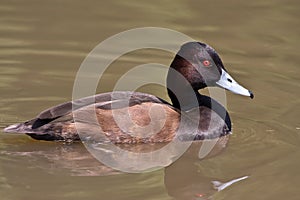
{"x":221,"y":186}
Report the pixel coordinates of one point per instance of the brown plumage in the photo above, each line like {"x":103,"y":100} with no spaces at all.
{"x":132,"y":118}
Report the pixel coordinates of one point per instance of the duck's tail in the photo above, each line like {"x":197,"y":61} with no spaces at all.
{"x":47,"y":132}
{"x":19,"y":128}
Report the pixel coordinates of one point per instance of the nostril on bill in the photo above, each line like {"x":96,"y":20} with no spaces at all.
{"x":229,"y":80}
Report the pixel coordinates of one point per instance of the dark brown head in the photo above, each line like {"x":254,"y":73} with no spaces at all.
{"x":201,"y":66}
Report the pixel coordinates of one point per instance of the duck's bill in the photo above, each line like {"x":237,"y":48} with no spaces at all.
{"x":228,"y":83}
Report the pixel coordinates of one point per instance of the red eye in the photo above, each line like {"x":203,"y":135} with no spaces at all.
{"x":206,"y":63}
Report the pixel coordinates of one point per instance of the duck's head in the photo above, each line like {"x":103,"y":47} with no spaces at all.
{"x":201,"y":66}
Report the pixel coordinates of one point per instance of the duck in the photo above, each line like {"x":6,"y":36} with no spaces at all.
{"x":130,"y":117}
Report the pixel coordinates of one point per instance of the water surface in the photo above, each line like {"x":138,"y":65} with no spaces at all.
{"x":42,"y":44}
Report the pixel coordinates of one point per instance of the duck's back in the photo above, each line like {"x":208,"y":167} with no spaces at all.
{"x":58,"y":122}
{"x":121,"y":117}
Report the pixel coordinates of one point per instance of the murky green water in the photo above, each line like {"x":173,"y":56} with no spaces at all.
{"x":42,"y":44}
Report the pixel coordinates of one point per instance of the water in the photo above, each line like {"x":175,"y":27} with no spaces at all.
{"x":44,"y":42}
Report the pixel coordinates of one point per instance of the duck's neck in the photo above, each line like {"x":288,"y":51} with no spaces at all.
{"x":182,"y":92}
{"x":187,"y":101}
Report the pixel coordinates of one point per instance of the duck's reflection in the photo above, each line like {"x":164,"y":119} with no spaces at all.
{"x":182,"y":179}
